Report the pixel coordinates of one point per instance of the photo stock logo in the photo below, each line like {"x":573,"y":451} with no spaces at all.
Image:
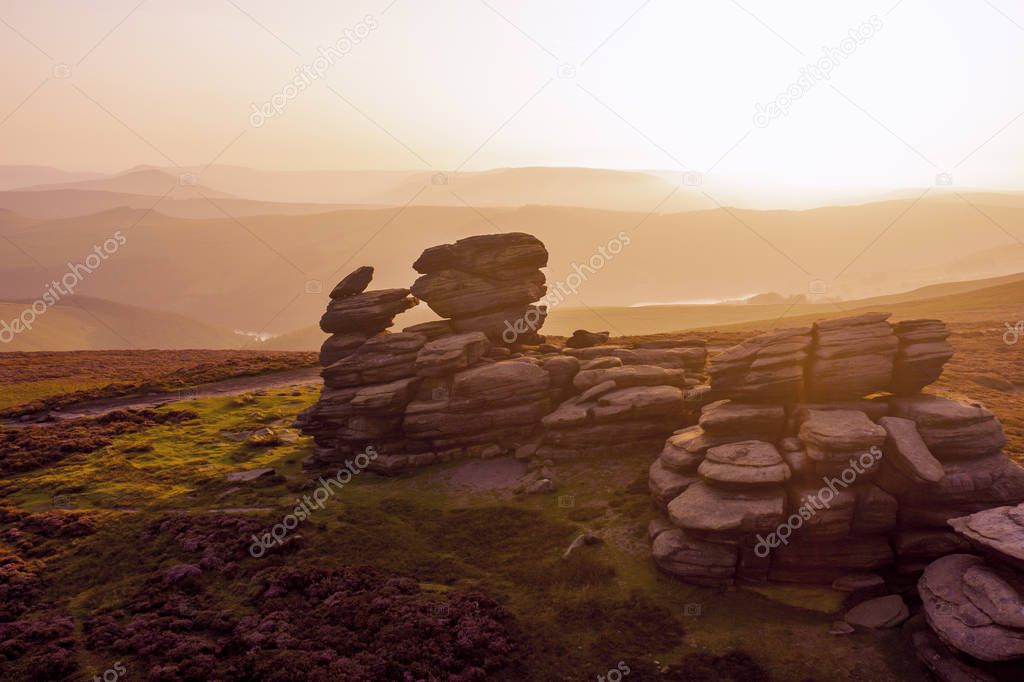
{"x":314,"y":71}
{"x":309,"y":503}
{"x":569,"y":286}
{"x":58,"y":289}
{"x":812,"y":504}
{"x":812,"y":74}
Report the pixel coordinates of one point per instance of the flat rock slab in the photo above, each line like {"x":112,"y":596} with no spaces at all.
{"x":841,"y":430}
{"x":907,"y":451}
{"x":730,"y":417}
{"x":883,"y":612}
{"x":999,"y":532}
{"x":703,"y":508}
{"x":250,"y":476}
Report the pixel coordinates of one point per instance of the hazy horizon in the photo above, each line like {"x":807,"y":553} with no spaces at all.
{"x":882,"y":96}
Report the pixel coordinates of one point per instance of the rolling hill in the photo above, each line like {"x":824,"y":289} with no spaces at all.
{"x":83,"y":323}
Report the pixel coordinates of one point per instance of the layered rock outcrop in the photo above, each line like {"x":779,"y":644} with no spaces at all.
{"x":479,"y":384}
{"x":821,"y":459}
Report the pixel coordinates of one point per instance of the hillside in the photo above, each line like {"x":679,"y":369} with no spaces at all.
{"x":82,"y":323}
{"x":251,"y":273}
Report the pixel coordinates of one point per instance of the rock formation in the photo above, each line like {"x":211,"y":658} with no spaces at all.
{"x":819,"y":459}
{"x":478,"y":384}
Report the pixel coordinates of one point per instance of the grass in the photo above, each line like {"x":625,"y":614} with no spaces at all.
{"x":34,"y":381}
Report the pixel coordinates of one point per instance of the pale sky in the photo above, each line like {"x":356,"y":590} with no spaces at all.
{"x":663,"y":84}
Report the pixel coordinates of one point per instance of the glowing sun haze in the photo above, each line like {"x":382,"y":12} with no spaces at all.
{"x":661,"y":84}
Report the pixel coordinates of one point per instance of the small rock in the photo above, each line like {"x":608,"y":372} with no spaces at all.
{"x":181,"y":572}
{"x":251,"y":476}
{"x":884,"y":612}
{"x":840,"y":628}
{"x":584,"y":540}
{"x":542,"y":486}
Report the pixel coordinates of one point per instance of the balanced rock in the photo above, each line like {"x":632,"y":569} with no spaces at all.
{"x":486,"y":283}
{"x":354,"y":283}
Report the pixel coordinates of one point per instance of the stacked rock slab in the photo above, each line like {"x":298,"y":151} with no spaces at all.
{"x":923,"y":351}
{"x":451,"y":388}
{"x":973,"y":604}
{"x":809,"y":468}
{"x":622,"y":399}
{"x":487,"y":283}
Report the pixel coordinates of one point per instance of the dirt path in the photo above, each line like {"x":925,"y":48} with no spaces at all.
{"x":307,"y":376}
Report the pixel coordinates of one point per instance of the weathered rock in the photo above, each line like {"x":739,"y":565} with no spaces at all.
{"x":973,"y":607}
{"x":768,"y":367}
{"x":952,"y":430}
{"x":733,"y":418}
{"x":745,"y":464}
{"x":450,"y":354}
{"x":695,"y":561}
{"x":968,"y":486}
{"x":665,"y":484}
{"x":485,"y":254}
{"x":997,"y":532}
{"x":705,"y":509}
{"x":370,"y":312}
{"x":906,"y":451}
{"x":806,"y":561}
{"x":923,"y":352}
{"x":675,"y":457}
{"x":338,"y":346}
{"x":943,"y":662}
{"x":264,"y":475}
{"x":844,"y":431}
{"x":926,"y":545}
{"x":852,"y":357}
{"x":581,"y":338}
{"x":432,"y":330}
{"x":635,"y":375}
{"x":883,"y":612}
{"x":354,"y":283}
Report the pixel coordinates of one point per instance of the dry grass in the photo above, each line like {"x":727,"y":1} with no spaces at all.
{"x":34,"y":381}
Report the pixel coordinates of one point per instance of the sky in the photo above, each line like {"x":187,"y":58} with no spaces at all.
{"x":805,"y":93}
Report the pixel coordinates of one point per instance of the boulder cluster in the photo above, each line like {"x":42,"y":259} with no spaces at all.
{"x":819,"y":459}
{"x":973,"y":603}
{"x":482,"y":382}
